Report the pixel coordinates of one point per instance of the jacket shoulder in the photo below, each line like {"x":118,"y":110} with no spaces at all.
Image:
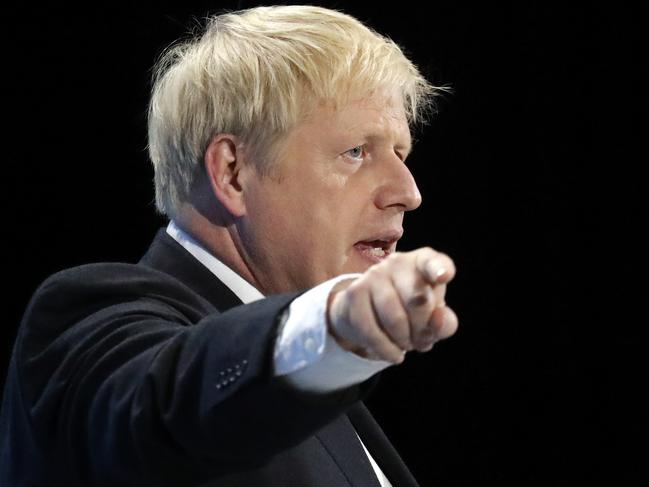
{"x":93,"y":293}
{"x":96,"y":286}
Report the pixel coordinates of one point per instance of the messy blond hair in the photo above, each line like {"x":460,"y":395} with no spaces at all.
{"x":255,"y":74}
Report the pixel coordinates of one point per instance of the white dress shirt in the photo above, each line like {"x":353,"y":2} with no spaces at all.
{"x":309,"y":356}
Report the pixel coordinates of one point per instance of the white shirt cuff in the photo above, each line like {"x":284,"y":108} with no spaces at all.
{"x":308,"y":356}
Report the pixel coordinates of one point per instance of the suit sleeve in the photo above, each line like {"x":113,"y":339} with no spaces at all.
{"x":140,"y":389}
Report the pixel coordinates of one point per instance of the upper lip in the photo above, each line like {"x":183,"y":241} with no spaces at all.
{"x":385,"y":238}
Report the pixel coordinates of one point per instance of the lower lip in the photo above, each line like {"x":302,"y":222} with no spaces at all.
{"x":366,"y":252}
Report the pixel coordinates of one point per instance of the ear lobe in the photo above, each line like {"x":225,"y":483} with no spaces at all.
{"x":223,"y":161}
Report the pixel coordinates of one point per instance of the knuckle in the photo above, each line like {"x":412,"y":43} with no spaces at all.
{"x":362,"y":328}
{"x":390,"y":312}
{"x":399,"y":335}
{"x":421,"y":299}
{"x":426,"y":338}
{"x":426,"y":348}
{"x":397,"y":327}
{"x":428,"y":252}
{"x":399,"y":358}
{"x":382,"y":345}
{"x":397,"y":318}
{"x":355,"y":291}
{"x":393,"y":258}
{"x":394,"y":354}
{"x":433,"y":327}
{"x":385,"y":302}
{"x":376,"y":342}
{"x":381,"y":299}
{"x":374,"y":271}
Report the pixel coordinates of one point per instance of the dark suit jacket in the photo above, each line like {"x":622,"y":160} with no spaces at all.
{"x":151,"y":374}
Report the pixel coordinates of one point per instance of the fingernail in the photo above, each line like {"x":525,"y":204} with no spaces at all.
{"x":435,"y":271}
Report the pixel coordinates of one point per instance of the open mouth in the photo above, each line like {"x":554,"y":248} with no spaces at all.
{"x":375,"y":250}
{"x":378,"y":245}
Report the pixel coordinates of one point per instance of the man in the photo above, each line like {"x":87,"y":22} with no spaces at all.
{"x":278,"y":139}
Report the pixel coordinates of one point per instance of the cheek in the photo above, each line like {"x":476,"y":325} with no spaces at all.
{"x":316,"y":200}
{"x":320,"y":212}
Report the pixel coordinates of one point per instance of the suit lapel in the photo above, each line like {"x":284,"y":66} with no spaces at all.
{"x":380,"y":447}
{"x":168,"y":256}
{"x":341,"y":442}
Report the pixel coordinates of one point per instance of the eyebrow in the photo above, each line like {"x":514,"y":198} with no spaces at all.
{"x":405,"y":147}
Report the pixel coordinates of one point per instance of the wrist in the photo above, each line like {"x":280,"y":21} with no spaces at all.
{"x":332,"y":310}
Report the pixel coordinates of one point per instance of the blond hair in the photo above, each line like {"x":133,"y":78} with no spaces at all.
{"x":255,"y":74}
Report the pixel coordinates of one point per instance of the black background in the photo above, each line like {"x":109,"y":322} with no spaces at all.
{"x":528,"y":183}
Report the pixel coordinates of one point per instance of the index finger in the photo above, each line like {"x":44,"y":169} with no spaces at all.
{"x":435,"y":267}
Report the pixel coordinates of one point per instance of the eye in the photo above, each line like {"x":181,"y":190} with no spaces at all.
{"x":356,"y":152}
{"x":401,"y":155}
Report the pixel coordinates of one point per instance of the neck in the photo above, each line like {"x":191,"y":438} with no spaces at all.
{"x":219,"y":237}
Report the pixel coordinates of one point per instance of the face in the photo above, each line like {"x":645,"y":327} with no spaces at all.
{"x":336,"y":200}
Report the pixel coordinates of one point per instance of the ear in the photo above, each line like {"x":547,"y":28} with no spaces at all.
{"x":223,"y":163}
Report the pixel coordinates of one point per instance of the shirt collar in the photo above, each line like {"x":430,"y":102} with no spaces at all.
{"x":245,"y":291}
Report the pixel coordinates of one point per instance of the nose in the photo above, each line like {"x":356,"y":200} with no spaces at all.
{"x":399,"y":189}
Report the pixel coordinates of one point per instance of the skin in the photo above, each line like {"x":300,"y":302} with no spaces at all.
{"x":340,"y":179}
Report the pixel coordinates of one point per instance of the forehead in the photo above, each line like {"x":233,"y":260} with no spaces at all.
{"x":378,"y":116}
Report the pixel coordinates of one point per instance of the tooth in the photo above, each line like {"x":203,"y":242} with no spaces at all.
{"x":378,"y":251}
